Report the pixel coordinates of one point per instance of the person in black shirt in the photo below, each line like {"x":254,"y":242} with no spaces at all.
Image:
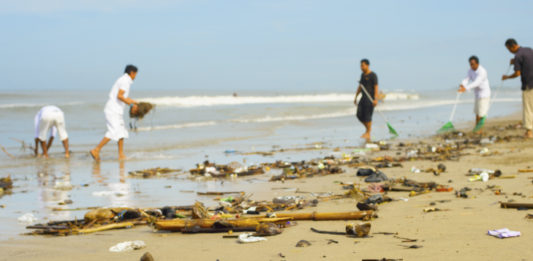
{"x":365,"y":107}
{"x":523,"y":67}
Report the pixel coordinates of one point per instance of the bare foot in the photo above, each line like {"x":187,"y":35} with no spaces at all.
{"x":95,"y":154}
{"x":529,"y":134}
{"x":366,"y":136}
{"x":67,"y":155}
{"x":122,"y":157}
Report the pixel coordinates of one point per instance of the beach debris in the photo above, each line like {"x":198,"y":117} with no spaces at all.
{"x":412,"y":246}
{"x":6,"y":185}
{"x":153,"y":172}
{"x":529,"y":216}
{"x":433,"y":209}
{"x":358,"y":230}
{"x":147,"y":257}
{"x":516,"y":205}
{"x":375,"y":177}
{"x":303,"y":243}
{"x":364,"y":172}
{"x":267,"y":229}
{"x":249,"y":238}
{"x":27,"y":218}
{"x":503,"y":233}
{"x":143,"y":108}
{"x":209,"y":169}
{"x":525,"y":170}
{"x":127,"y":246}
{"x":484,"y":176}
{"x":462,"y":193}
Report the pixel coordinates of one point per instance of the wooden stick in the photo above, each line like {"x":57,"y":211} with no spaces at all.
{"x":105,"y":227}
{"x":525,"y":170}
{"x":5,"y":151}
{"x":516,"y":205}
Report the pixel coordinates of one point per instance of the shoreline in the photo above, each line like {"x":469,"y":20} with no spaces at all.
{"x":457,"y":233}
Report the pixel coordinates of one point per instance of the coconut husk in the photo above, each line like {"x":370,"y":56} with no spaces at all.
{"x":143,"y":108}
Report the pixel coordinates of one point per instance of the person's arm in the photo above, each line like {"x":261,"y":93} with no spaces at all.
{"x":517,"y":61}
{"x":480,"y":77}
{"x":36,"y":149}
{"x":375,"y":103}
{"x":357,"y":94}
{"x":126,"y":100}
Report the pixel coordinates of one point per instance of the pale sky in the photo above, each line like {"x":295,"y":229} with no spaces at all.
{"x":264,"y":46}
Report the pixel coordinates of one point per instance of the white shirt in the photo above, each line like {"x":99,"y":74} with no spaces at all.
{"x":114,"y":105}
{"x":478,"y":81}
{"x":39,"y":116}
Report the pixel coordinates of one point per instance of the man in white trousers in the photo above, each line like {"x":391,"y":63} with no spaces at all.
{"x":114,"y":113}
{"x":49,"y":121}
{"x":478,"y":81}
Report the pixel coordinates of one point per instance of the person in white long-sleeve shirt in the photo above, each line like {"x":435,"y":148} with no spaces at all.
{"x":477,"y":80}
{"x":114,"y":111}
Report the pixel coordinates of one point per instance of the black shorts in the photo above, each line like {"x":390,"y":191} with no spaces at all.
{"x":365,"y":111}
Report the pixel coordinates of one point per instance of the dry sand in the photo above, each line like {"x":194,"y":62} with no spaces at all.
{"x":460,"y":233}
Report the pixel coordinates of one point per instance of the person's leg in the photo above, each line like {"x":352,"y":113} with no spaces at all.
{"x":65,"y":145}
{"x":121,"y":155}
{"x":45,"y":148}
{"x":527,"y":100}
{"x":368,"y":127}
{"x":95,"y":153}
{"x":36,"y":149}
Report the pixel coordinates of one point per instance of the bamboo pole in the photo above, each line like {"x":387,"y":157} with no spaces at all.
{"x":355,"y":215}
{"x":180,"y":224}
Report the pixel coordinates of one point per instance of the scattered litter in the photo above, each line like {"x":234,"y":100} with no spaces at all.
{"x":249,"y":238}
{"x":147,"y":257}
{"x":154,"y":172}
{"x":27,"y":218}
{"x":127,"y":246}
{"x":503,"y":233}
{"x":303,"y":243}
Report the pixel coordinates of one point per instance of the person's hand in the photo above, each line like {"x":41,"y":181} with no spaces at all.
{"x":512,"y":61}
{"x":375,"y":103}
{"x":505,"y":77}
{"x":461,"y":89}
{"x":355,"y":102}
{"x":134,"y":108}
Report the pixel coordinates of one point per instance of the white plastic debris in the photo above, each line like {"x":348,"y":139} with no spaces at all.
{"x":372,"y":146}
{"x":484,"y":176}
{"x":248,"y":238}
{"x":415,"y":169}
{"x":27,"y":218}
{"x":127,"y":246}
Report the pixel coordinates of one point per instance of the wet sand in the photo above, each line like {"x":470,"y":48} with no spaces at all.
{"x":459,"y":233}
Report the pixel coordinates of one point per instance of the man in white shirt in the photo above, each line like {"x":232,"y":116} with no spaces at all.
{"x":478,"y":81}
{"x":48,"y":122}
{"x":114,"y":113}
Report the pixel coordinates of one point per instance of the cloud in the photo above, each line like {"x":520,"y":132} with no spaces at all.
{"x":60,"y":6}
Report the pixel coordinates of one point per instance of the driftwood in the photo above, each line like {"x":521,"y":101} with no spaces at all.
{"x":525,"y":170}
{"x":516,"y":205}
{"x":355,"y":215}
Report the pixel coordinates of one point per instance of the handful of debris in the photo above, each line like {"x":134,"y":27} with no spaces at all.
{"x":143,"y":108}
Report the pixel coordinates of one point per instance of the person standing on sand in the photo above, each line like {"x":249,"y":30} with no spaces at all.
{"x":365,"y":107}
{"x":114,"y":111}
{"x":523,"y":67}
{"x":477,"y":79}
{"x":49,"y":121}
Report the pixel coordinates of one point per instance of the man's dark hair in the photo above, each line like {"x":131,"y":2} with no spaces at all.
{"x":473,"y":57}
{"x":510,"y":42}
{"x":130,"y":68}
{"x":366,"y":61}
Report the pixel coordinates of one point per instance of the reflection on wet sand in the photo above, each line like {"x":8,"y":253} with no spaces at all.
{"x":54,"y":187}
{"x":117,"y":193}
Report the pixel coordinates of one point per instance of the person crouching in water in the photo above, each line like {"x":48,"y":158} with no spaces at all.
{"x":365,"y":108}
{"x":114,"y":111}
{"x":477,"y":80}
{"x":49,"y":121}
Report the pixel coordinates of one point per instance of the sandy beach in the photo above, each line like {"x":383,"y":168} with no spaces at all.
{"x":458,"y":232}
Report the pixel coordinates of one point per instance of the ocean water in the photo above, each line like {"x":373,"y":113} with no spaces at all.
{"x":186,"y":129}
